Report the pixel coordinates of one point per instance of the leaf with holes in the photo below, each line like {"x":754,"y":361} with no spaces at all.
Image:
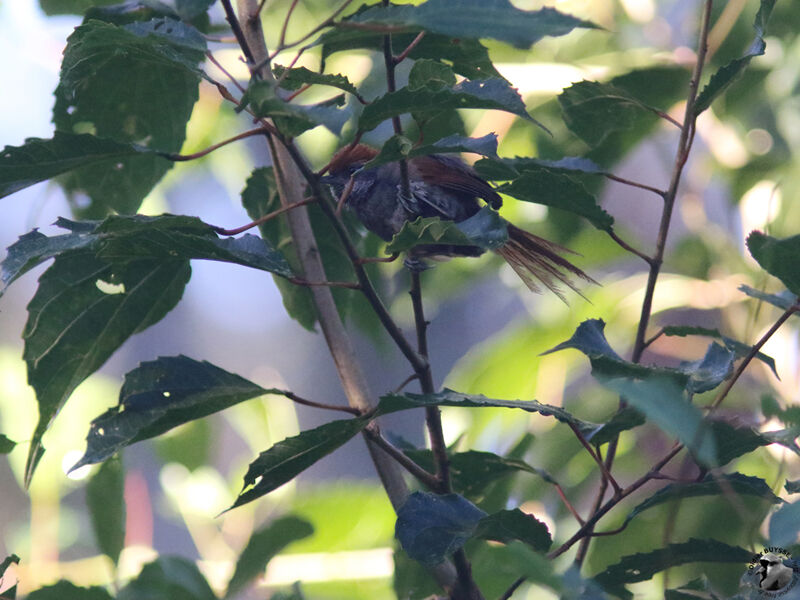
{"x":160,"y":395}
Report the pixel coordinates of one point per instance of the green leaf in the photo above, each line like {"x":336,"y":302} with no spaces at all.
{"x":161,"y":394}
{"x":395,"y":402}
{"x":497,"y":19}
{"x":493,"y":93}
{"x":710,"y":486}
{"x":658,"y":393}
{"x":399,"y":147}
{"x":129,"y":12}
{"x":485,"y":229}
{"x":559,"y":189}
{"x":83,"y":310}
{"x":697,"y":588}
{"x":70,"y":7}
{"x":594,"y":110}
{"x":711,"y":370}
{"x":106,"y":502}
{"x":623,"y":420}
{"x":792,"y":487}
{"x":39,"y":159}
{"x":287,"y":459}
{"x":430,"y":526}
{"x":508,"y":525}
{"x":471,"y":472}
{"x":784,"y":526}
{"x":733,"y":442}
{"x":642,"y":567}
{"x":6,"y":445}
{"x":191,"y":9}
{"x":468,"y":57}
{"x":260,"y":198}
{"x":262,"y":546}
{"x":7,"y":562}
{"x":168,"y":578}
{"x":782,"y":300}
{"x":291,"y":119}
{"x":510,"y":168}
{"x":300,"y":76}
{"x":131,"y":84}
{"x":65,"y":590}
{"x":778,"y":257}
{"x":427,"y":73}
{"x":726,"y":75}
{"x":738,"y":348}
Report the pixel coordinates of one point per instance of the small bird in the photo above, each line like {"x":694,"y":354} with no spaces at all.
{"x":445,"y":187}
{"x":774,"y":574}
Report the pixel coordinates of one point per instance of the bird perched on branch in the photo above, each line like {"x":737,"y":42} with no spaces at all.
{"x":444,"y":187}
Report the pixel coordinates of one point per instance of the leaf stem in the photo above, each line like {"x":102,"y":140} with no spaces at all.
{"x":265,"y":218}
{"x":429,"y":480}
{"x":635,"y":184}
{"x":404,"y":54}
{"x":186,"y":157}
{"x":300,"y":400}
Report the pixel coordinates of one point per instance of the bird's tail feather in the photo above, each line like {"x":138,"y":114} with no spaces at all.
{"x":537,"y":260}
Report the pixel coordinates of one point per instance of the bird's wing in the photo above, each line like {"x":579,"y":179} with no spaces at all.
{"x":452,"y":174}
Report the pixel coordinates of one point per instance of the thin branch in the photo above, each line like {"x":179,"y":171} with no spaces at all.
{"x":232,"y":79}
{"x":300,"y":400}
{"x":752,"y":354}
{"x":625,"y":245}
{"x":339,"y":284}
{"x":404,"y":54}
{"x":596,"y":458}
{"x":282,"y":38}
{"x":635,"y":184}
{"x":568,"y":504}
{"x":265,"y":218}
{"x":405,"y":382}
{"x":186,"y":157}
{"x":233,"y":21}
{"x":512,"y":588}
{"x":657,"y":335}
{"x":429,"y":480}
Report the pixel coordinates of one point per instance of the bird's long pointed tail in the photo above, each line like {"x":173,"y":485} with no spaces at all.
{"x":537,"y":260}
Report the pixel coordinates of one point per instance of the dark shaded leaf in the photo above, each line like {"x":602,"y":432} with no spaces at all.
{"x":430,"y":74}
{"x":191,"y":9}
{"x":697,"y":588}
{"x":778,"y":257}
{"x":161,"y":394}
{"x":710,"y":486}
{"x":430,"y":527}
{"x":168,"y":578}
{"x":738,"y":348}
{"x":641,"y":567}
{"x":6,"y":445}
{"x":493,"y":93}
{"x":287,"y":459}
{"x":792,"y":487}
{"x":300,"y":76}
{"x":711,"y":370}
{"x":625,"y":419}
{"x":83,"y":310}
{"x":262,"y":546}
{"x":65,"y":590}
{"x":395,"y":402}
{"x":105,"y":499}
{"x":726,"y":75}
{"x":471,"y":472}
{"x":39,"y":159}
{"x":508,"y":525}
{"x":129,"y":11}
{"x":468,"y":57}
{"x":398,"y":147}
{"x":70,"y":7}
{"x":485,"y":229}
{"x":7,"y":562}
{"x":783,"y":300}
{"x":132,"y":84}
{"x":291,"y":119}
{"x":589,"y":338}
{"x":784,"y":526}
{"x":733,"y":442}
{"x":497,"y":19}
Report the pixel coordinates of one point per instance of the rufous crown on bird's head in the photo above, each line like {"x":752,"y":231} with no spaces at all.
{"x":350,"y":155}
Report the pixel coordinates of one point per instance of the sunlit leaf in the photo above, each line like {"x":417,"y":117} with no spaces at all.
{"x":262,"y":546}
{"x":430,"y":527}
{"x":106,"y":502}
{"x":161,"y":394}
{"x":726,"y":75}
